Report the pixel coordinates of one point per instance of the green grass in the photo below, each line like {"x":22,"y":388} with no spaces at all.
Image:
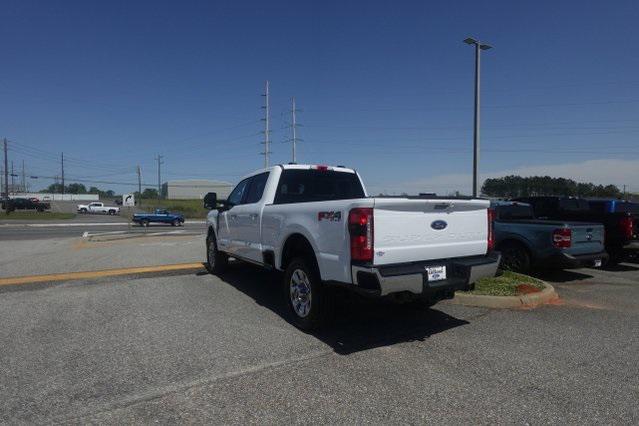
{"x":505,"y":284}
{"x":192,"y":209}
{"x":33,"y":215}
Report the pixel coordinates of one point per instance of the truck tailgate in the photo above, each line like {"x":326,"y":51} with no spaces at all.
{"x":587,"y":238}
{"x":408,"y":230}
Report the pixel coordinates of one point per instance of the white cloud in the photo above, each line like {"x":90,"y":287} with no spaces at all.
{"x":604,"y":171}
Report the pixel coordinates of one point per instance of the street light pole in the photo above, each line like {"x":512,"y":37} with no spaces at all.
{"x":478,"y":48}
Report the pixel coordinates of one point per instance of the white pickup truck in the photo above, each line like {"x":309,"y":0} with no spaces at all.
{"x":97,"y":207}
{"x":317,"y":224}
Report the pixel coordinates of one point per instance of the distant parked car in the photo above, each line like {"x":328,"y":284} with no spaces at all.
{"x":525,"y":241}
{"x":159,"y":216}
{"x":621,"y":226}
{"x":97,"y":207}
{"x":24,"y":204}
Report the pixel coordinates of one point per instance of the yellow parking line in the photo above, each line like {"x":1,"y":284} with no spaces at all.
{"x":30,"y":279}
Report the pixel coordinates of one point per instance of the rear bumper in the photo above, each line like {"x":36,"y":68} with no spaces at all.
{"x":412,"y":277}
{"x":567,"y":261}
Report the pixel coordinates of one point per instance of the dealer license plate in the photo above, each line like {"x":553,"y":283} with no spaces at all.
{"x":436,"y":273}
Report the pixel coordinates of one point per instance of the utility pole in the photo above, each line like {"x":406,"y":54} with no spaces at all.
{"x":478,"y":48}
{"x":24,"y":179}
{"x":139,"y":182}
{"x":62,"y":162}
{"x":6,"y":170}
{"x":625,"y":195}
{"x":160,"y":162}
{"x":294,"y":138}
{"x":13,"y":181}
{"x":267,"y":130}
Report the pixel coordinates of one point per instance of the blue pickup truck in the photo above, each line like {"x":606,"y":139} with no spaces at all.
{"x":159,"y":216}
{"x":524,"y":240}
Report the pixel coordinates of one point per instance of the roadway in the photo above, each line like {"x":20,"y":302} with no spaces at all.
{"x":11,"y":230}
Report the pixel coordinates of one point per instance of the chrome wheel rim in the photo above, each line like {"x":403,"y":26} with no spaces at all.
{"x":211,"y":253}
{"x":300,"y":293}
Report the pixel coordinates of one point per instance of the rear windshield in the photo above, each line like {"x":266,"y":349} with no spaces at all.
{"x":300,"y":186}
{"x":515,"y":211}
{"x":574,"y":204}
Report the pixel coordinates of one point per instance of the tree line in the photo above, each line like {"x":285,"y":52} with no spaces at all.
{"x":78,"y":188}
{"x":518,"y":186}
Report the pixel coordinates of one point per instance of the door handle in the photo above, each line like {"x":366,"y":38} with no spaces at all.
{"x":253,"y":216}
{"x":233,"y":217}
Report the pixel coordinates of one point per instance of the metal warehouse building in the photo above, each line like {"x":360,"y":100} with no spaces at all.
{"x":194,"y":188}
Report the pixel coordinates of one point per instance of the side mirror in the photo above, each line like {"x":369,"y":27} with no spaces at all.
{"x":210,"y":201}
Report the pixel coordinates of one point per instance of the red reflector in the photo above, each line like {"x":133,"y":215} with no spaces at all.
{"x":626,"y":227}
{"x":360,"y":228}
{"x":321,"y":168}
{"x":562,"y":238}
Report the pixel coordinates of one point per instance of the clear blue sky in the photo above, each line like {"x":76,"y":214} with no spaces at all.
{"x":385,"y":87}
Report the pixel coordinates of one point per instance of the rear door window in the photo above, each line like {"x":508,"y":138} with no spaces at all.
{"x":300,"y":186}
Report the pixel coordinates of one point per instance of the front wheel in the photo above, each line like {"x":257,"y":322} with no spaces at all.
{"x":308,"y":301}
{"x":216,"y":261}
{"x":176,"y":222}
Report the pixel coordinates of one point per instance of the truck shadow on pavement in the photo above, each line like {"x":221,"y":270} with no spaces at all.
{"x":559,"y":275}
{"x":358,"y":323}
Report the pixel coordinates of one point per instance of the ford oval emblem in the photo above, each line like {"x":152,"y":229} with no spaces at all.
{"x":438,"y":225}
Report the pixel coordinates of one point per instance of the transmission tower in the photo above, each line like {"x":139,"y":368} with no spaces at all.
{"x":294,"y":139}
{"x":267,"y":130}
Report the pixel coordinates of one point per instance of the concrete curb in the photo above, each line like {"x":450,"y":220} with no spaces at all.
{"x":531,"y":300}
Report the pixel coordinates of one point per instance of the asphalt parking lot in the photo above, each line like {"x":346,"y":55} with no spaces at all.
{"x":188,"y":347}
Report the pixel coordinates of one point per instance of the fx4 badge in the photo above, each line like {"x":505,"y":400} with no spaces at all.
{"x":330,"y":216}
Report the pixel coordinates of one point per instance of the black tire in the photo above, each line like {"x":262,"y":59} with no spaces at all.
{"x":217,"y":262}
{"x":514,"y":257}
{"x":175,"y":222}
{"x":83,"y":210}
{"x":309,"y":303}
{"x":111,"y":212}
{"x":144,"y":222}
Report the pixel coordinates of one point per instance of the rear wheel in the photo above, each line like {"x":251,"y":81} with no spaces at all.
{"x":83,"y":210}
{"x":514,"y":257}
{"x":144,"y":222}
{"x":175,"y":222}
{"x":216,"y":261}
{"x":308,"y":301}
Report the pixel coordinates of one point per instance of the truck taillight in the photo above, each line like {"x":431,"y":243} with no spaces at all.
{"x":491,"y":229}
{"x":360,"y":228}
{"x":626,"y":227}
{"x":562,"y":238}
